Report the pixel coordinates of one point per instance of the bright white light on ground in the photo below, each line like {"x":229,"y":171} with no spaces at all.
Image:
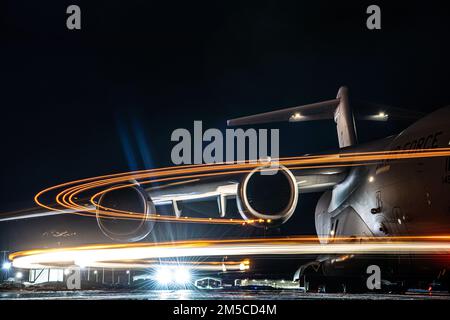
{"x":82,"y":263}
{"x":6,"y":265}
{"x":250,"y":247}
{"x":19,"y":275}
{"x":182,"y":276}
{"x":164,"y":276}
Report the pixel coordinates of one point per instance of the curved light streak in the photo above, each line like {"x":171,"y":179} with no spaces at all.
{"x":92,"y":255}
{"x":67,"y":197}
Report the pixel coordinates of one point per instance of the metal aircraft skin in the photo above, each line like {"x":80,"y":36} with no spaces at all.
{"x":391,"y":198}
{"x":407,"y":197}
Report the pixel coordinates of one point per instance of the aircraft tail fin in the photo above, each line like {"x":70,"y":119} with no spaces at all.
{"x":345,"y":122}
{"x":337,"y":109}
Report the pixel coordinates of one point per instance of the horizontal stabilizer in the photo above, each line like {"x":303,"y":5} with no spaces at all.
{"x":314,"y":111}
{"x":337,"y":109}
{"x":379,"y":112}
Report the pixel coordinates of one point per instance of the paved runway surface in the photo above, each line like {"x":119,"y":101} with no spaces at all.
{"x":208,"y":295}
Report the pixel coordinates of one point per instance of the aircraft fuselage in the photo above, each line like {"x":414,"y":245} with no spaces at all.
{"x":406,"y":197}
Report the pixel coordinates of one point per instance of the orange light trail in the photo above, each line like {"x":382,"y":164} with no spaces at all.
{"x":130,"y":254}
{"x":71,"y":190}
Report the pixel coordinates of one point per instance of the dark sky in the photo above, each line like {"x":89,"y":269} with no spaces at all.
{"x":140,"y":69}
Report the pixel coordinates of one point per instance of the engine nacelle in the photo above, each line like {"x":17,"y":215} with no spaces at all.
{"x":132,"y":223}
{"x":271,"y":197}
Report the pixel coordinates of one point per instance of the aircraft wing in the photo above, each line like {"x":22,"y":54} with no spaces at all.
{"x":197,"y":190}
{"x":32,"y":213}
{"x":307,"y":180}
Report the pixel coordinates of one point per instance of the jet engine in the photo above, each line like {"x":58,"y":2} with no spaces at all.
{"x":269,"y":194}
{"x":123,"y":213}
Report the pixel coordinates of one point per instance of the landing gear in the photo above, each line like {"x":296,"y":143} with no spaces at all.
{"x":322,"y":284}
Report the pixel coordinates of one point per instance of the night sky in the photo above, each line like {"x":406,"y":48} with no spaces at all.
{"x":106,"y":99}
